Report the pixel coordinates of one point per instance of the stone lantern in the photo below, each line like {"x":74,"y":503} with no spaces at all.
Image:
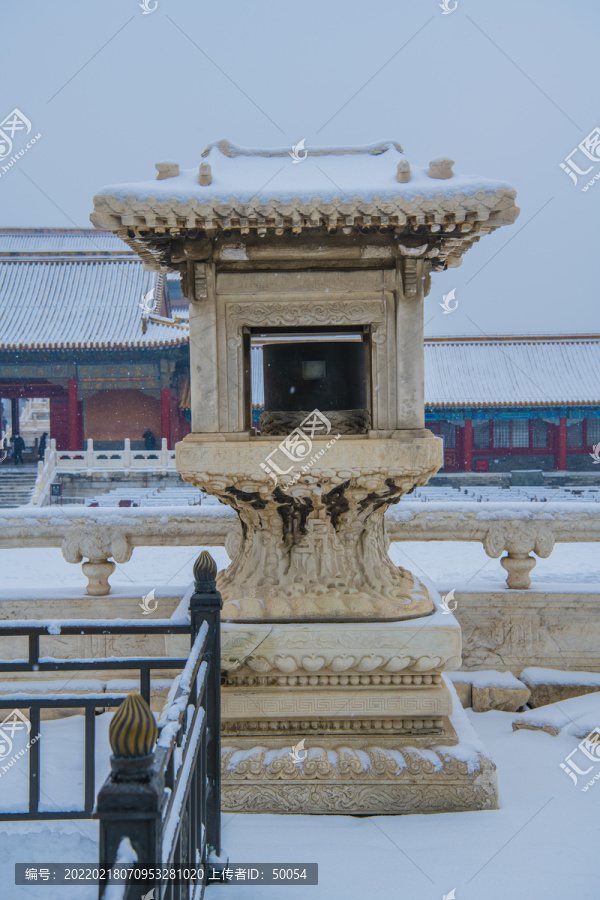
{"x":325,"y":264}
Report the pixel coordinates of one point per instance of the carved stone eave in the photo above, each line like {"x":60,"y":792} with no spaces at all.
{"x":454,"y":223}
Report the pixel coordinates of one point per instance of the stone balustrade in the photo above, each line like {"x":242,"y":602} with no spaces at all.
{"x":97,"y":536}
{"x":90,"y":461}
{"x":517,"y":528}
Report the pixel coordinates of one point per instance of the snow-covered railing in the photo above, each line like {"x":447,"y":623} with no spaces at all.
{"x":92,"y":461}
{"x":100,"y":535}
{"x":517,"y":528}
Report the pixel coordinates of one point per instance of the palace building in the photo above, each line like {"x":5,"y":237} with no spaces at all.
{"x":84,"y":326}
{"x":105,"y":343}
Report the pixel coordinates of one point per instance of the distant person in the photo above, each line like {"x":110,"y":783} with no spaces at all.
{"x":18,"y":447}
{"x":42,"y":446}
{"x":149,"y":440}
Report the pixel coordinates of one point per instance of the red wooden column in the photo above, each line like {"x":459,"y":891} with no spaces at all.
{"x":73,"y":409}
{"x":14,"y":415}
{"x":165,"y":415}
{"x":561,"y":456}
{"x":468,"y":446}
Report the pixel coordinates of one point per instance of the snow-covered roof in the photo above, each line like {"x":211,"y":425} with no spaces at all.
{"x":78,"y":303}
{"x":509,"y":372}
{"x":335,"y":188}
{"x":48,"y":241}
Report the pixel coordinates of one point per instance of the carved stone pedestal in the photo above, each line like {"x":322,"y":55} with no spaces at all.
{"x":313,"y":546}
{"x":332,"y":718}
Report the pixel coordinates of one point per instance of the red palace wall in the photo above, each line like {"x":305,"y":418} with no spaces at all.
{"x":116,"y":415}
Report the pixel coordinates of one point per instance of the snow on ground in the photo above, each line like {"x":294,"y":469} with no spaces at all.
{"x":448,"y":564}
{"x":541,"y":843}
{"x":578,"y":716}
{"x":61,"y":757}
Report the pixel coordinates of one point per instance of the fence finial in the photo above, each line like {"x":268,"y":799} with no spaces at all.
{"x":205,"y":571}
{"x":133,"y":730}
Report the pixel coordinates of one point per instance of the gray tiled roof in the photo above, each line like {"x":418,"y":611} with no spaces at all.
{"x":36,"y":241}
{"x":77,"y":303}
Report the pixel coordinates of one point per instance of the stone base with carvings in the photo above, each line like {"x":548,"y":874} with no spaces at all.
{"x":344,"y":717}
{"x":368,"y":776}
{"x":312,"y":545}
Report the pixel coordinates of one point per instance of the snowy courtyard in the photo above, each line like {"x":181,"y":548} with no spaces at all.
{"x":542,"y":816}
{"x":541,"y":842}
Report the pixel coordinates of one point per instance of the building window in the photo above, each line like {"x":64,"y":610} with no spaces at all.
{"x":575,"y":434}
{"x":448,"y":433}
{"x":501,"y":433}
{"x":539,"y":431}
{"x":520,"y":433}
{"x":481,"y":435}
{"x":593,"y":431}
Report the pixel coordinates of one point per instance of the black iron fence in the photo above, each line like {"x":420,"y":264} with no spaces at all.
{"x":160,"y":811}
{"x":91,"y":703}
{"x":161,"y":802}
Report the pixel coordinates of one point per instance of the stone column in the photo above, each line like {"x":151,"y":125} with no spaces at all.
{"x":204,"y":367}
{"x":410,"y":343}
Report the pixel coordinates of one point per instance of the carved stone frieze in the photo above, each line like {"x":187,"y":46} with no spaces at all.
{"x":371,"y":799}
{"x":323,"y":703}
{"x":327,"y":680}
{"x":413,"y":727}
{"x":343,"y":421}
{"x":365,"y":778}
{"x":361,"y":762}
{"x":345,"y":655}
{"x":307,"y":313}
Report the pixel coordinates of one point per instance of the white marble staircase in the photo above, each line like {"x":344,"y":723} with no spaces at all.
{"x":16,"y":485}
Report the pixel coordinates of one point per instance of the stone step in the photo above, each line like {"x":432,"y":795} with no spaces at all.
{"x":553,"y":685}
{"x":578,"y":717}
{"x":488,"y":690}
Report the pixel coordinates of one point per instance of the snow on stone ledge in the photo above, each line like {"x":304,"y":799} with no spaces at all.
{"x":537,"y":675}
{"x":486,"y":679}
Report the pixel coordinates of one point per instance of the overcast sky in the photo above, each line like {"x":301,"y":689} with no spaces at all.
{"x":507,"y":89}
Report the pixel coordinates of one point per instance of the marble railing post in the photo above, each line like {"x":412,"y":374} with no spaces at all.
{"x":127,"y":453}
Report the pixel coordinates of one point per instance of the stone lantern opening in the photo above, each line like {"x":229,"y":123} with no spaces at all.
{"x":319,"y":370}
{"x":325,"y":639}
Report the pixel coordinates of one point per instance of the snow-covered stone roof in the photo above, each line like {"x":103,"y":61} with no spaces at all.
{"x":278,"y":190}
